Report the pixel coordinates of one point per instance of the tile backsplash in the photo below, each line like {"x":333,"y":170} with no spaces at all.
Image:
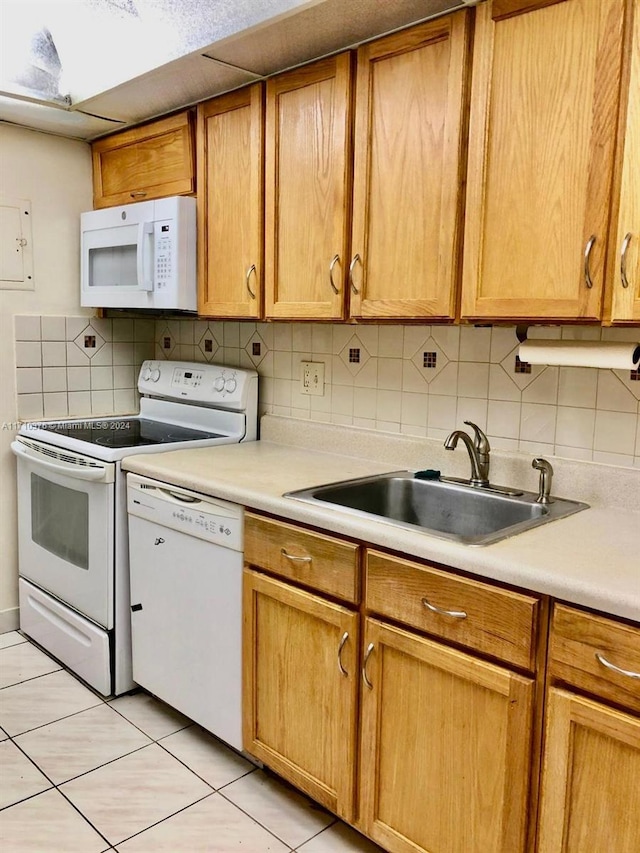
{"x":68,"y":366}
{"x":412,"y":379}
{"x":427,"y":380}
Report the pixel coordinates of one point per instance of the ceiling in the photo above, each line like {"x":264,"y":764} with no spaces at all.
{"x":85,"y":68}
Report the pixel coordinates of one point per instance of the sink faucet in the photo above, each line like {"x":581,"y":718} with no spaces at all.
{"x":478,"y":448}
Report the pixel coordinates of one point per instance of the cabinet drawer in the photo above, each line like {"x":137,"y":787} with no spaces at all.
{"x":494,"y":621}
{"x":147,"y":162}
{"x":581,"y":647}
{"x":313,"y":559}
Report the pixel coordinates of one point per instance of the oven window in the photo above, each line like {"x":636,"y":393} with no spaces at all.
{"x":60,"y":521}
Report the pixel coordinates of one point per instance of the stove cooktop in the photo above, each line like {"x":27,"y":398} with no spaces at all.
{"x":126,"y":432}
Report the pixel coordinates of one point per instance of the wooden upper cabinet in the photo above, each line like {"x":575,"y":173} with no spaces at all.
{"x":544,"y":109}
{"x":151,"y":161}
{"x":623,"y":304}
{"x":307,"y":176}
{"x":409,"y":162}
{"x":230,"y":204}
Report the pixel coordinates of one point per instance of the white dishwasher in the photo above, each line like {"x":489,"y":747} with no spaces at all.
{"x":186,"y":557}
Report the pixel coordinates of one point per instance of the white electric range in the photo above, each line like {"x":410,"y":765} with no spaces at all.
{"x":72,"y":508}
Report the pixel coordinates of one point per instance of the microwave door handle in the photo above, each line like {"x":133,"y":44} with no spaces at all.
{"x":145,"y":235}
{"x":75,"y":471}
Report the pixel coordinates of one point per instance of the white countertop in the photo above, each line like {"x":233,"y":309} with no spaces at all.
{"x":591,"y":558}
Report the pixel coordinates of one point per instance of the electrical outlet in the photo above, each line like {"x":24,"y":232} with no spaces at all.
{"x":312,"y":377}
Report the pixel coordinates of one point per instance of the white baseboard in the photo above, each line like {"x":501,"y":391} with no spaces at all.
{"x":9,"y":620}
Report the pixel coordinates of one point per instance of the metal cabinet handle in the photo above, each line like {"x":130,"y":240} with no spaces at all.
{"x":355,"y":260}
{"x":294,"y":558}
{"x":138,"y":194}
{"x":587,"y":257}
{"x":367,"y":655}
{"x":623,"y":260}
{"x":252,"y":269}
{"x":334,"y":261}
{"x":601,"y":659}
{"x":344,"y":639}
{"x":455,"y":614}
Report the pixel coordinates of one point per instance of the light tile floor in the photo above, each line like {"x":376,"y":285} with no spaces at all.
{"x":80,"y":774}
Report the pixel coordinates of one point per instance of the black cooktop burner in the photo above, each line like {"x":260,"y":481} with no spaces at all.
{"x":126,"y":432}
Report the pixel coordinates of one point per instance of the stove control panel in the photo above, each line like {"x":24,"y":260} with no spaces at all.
{"x":217,"y":385}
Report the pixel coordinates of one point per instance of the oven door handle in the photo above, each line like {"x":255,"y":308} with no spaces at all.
{"x":78,"y":472}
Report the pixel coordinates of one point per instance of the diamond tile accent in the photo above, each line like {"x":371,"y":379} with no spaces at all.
{"x":166,"y":343}
{"x":89,"y":341}
{"x":256,"y":349}
{"x":521,"y":378}
{"x":208,"y":345}
{"x":631,"y":380}
{"x":429,"y":359}
{"x":354,"y":355}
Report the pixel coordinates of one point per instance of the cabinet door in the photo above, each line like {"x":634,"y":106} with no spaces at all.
{"x":544,"y":106}
{"x":154,"y":160}
{"x":300,"y":689}
{"x":624,"y":266}
{"x":409,"y":161}
{"x":591,"y":778}
{"x":445,"y":750}
{"x":308,"y":188}
{"x":230,"y":204}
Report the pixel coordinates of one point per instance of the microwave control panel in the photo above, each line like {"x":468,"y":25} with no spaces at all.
{"x":163,"y":254}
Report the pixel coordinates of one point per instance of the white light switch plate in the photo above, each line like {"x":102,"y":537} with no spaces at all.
{"x":312,"y":378}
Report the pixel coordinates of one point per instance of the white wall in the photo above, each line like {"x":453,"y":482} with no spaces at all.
{"x":54,"y":174}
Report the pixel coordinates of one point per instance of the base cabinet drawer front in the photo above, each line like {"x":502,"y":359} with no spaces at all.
{"x":497,"y":622}
{"x":445,"y":748}
{"x":597,"y":655}
{"x":591,"y":778}
{"x":301,"y":683}
{"x":151,"y":161}
{"x":313,"y":559}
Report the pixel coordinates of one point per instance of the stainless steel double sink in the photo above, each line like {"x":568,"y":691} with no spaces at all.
{"x":442,"y":507}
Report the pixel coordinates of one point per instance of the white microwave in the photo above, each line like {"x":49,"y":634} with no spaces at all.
{"x":140,"y":255}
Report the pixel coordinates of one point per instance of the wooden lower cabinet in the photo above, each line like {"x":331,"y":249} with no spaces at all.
{"x":424,"y":747}
{"x":591,"y":778}
{"x":301,"y":684}
{"x":445,"y":747}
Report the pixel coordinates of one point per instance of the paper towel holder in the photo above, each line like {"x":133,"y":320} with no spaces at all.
{"x":522,"y":330}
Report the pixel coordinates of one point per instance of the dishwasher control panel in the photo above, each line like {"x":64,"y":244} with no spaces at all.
{"x":189,"y":512}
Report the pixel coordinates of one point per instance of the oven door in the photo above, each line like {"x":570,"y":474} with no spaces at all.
{"x":66,"y":526}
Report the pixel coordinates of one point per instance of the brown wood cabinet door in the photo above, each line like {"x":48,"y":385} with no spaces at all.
{"x":624,"y":260}
{"x":445,"y":749}
{"x":591,"y":778}
{"x":544,"y":107}
{"x":308,"y":190}
{"x":409,"y":162}
{"x":300,"y":689}
{"x":154,"y":160}
{"x":230,"y":204}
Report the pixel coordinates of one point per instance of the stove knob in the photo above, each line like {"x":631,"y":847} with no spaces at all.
{"x":146,"y":374}
{"x":230,"y":385}
{"x":218,"y":383}
{"x":155,"y":374}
